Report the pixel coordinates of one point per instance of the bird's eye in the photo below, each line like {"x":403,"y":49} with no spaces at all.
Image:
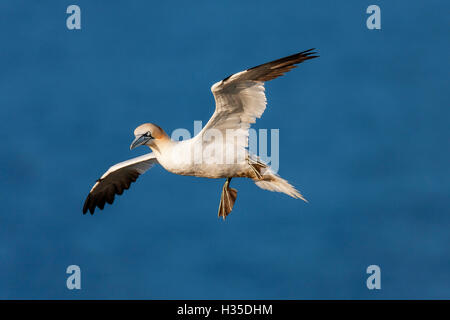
{"x":148,"y":134}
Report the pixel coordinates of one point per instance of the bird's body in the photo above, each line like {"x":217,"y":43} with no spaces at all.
{"x":188,"y":159}
{"x":220,"y":148}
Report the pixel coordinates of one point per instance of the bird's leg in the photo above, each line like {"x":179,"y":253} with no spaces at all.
{"x":227,"y":199}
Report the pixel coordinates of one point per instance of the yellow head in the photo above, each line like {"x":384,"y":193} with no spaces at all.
{"x":148,"y":134}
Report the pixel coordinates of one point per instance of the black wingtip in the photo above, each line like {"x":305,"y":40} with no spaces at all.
{"x":85,"y":205}
{"x":88,"y":205}
{"x":306,"y":51}
{"x":310,"y":53}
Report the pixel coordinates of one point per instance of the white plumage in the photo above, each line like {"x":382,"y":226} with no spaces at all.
{"x":218,"y":151}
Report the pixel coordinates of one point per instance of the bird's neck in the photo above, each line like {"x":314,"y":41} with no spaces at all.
{"x":159,"y":145}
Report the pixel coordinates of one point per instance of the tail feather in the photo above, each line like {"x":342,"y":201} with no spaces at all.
{"x":273,"y":182}
{"x":266,"y":179}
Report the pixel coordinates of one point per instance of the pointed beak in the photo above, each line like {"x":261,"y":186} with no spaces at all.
{"x":139,"y":141}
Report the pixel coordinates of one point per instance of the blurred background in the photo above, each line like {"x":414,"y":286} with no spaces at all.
{"x":364,"y":135}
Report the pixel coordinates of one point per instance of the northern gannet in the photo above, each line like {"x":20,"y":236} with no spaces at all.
{"x":219,"y":150}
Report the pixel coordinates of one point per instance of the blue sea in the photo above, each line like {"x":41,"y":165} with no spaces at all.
{"x":363,"y":134}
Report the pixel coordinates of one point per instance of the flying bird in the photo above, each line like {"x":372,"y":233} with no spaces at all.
{"x":240,"y":99}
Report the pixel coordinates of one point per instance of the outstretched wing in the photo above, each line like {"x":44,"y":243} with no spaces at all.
{"x":118,"y":178}
{"x":240,"y":98}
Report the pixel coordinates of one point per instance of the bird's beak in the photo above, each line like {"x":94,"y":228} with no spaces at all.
{"x":139,"y":141}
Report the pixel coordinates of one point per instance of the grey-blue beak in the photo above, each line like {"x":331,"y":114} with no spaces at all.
{"x":139,"y":141}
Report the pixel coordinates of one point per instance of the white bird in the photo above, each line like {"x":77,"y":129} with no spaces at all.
{"x":220,"y":148}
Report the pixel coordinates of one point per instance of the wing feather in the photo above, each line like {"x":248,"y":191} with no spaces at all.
{"x":240,"y":98}
{"x":117,"y":179}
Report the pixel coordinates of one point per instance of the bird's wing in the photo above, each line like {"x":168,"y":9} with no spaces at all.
{"x":240,"y":98}
{"x":118,"y":178}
